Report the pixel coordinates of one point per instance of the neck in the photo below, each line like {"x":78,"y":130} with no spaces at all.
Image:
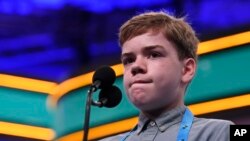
{"x":153,"y":114}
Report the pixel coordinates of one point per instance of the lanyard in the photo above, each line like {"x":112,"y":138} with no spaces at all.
{"x":184,"y":128}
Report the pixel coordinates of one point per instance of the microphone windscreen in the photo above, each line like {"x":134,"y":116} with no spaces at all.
{"x":112,"y":94}
{"x":106,"y":75}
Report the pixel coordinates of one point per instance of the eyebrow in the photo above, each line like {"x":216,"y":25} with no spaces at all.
{"x":145,"y":49}
{"x":126,"y":55}
{"x":152,"y":47}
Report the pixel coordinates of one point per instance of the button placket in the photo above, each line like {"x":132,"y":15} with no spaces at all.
{"x":150,"y":133}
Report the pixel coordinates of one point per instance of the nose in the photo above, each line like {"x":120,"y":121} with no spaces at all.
{"x":139,"y":66}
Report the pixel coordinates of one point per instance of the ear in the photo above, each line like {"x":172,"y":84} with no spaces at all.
{"x":188,"y":70}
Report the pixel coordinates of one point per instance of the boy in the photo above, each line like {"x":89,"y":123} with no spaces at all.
{"x":159,"y":58}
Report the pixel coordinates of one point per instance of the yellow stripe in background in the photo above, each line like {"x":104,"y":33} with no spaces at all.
{"x":76,"y":82}
{"x":103,"y":130}
{"x":26,"y":83}
{"x":27,"y":131}
{"x":224,"y":42}
{"x":220,"y":104}
{"x":128,"y":124}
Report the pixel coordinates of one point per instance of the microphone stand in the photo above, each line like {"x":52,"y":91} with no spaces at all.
{"x":92,"y":89}
{"x":87,"y":115}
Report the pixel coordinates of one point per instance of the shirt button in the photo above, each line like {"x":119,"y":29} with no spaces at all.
{"x":152,"y":123}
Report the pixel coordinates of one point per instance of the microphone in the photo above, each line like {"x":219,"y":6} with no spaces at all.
{"x":103,"y":77}
{"x":110,"y":97}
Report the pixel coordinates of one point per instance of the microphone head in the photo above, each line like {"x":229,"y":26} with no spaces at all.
{"x":106,"y":75}
{"x":112,"y":95}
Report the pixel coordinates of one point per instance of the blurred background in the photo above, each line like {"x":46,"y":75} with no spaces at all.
{"x":58,"y":39}
{"x":47,"y":47}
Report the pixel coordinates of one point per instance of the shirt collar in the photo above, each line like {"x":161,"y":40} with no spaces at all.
{"x":164,"y":121}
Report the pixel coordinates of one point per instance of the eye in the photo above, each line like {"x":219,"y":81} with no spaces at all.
{"x":154,"y":54}
{"x":127,"y":60}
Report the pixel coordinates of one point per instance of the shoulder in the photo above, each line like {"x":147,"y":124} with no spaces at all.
{"x":212,"y":122}
{"x":211,"y":125}
{"x":211,"y":129}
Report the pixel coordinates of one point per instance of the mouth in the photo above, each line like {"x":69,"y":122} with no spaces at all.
{"x":141,"y":82}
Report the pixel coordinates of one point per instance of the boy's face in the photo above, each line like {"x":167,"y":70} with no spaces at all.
{"x":154,"y":76}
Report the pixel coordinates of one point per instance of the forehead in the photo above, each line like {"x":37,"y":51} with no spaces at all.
{"x":145,"y":40}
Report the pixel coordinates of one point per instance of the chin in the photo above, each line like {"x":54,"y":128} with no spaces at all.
{"x":150,"y":106}
{"x":145,"y":106}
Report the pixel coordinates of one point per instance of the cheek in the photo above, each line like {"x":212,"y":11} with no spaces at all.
{"x":166,"y":81}
{"x":125,"y":81}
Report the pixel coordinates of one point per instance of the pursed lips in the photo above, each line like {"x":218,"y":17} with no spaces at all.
{"x":140,"y":82}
